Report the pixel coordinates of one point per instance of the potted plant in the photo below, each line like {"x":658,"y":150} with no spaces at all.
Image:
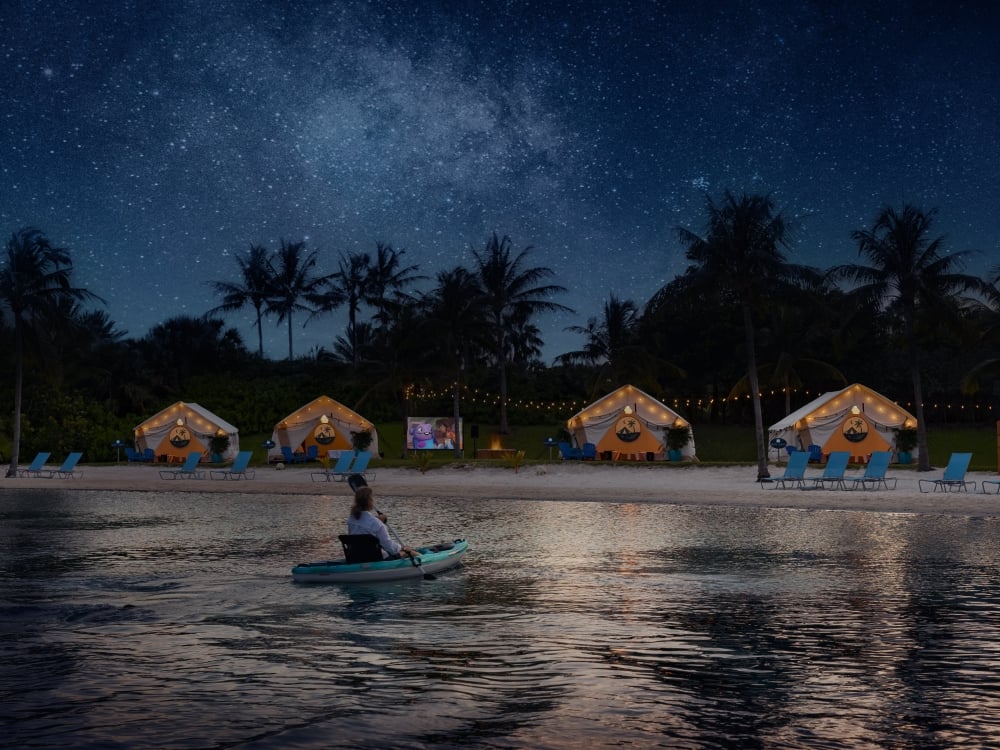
{"x":218,"y":444}
{"x":361,"y":440}
{"x":906,"y":441}
{"x":678,"y":436}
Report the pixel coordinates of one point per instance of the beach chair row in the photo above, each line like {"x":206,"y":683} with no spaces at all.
{"x":348,"y":463}
{"x":38,"y":469}
{"x":874,"y":478}
{"x":189,"y":469}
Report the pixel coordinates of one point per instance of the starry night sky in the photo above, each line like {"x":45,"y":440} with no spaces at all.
{"x":154,"y":140}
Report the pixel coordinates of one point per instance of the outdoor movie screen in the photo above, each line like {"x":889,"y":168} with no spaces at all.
{"x":433,"y":433}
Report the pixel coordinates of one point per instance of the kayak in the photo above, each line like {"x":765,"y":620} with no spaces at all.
{"x":432,"y":559}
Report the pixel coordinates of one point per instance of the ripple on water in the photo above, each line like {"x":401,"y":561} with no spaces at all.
{"x":149,"y":620}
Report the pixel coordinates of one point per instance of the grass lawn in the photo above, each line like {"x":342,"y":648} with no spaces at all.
{"x":716,"y":444}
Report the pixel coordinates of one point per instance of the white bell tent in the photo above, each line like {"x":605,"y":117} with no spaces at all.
{"x":855,"y":419}
{"x":628,"y":423}
{"x":324,"y":423}
{"x":182,"y":428}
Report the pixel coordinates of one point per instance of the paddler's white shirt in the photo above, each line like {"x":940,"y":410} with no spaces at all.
{"x":369,"y":524}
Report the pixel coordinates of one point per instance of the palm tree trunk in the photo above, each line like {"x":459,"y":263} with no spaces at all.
{"x":923,"y":459}
{"x":504,"y":429}
{"x":15,"y":448}
{"x":758,"y":416}
{"x":289,"y":336}
{"x":459,"y":433}
{"x":260,"y":334}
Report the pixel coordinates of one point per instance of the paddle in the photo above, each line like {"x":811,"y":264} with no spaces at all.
{"x":356,"y":481}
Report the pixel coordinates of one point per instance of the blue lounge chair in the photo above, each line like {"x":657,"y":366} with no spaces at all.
{"x":67,"y":470}
{"x":833,"y":473}
{"x":359,"y":467}
{"x":815,"y":454}
{"x":341,"y":467}
{"x":992,"y":483}
{"x":795,"y":472}
{"x":133,"y":456}
{"x":954,"y":476}
{"x":188,"y":471}
{"x":148,"y":455}
{"x":568,"y":453}
{"x":312,"y":453}
{"x":36,"y":467}
{"x":874,"y":476}
{"x":291,"y":457}
{"x":238,"y":470}
{"x":589,"y":452}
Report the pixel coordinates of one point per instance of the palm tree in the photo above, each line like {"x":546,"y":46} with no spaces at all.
{"x":386,"y":281}
{"x":911,"y":277}
{"x":455,"y":318}
{"x":987,"y":321}
{"x":741,"y":259}
{"x":793,"y":334}
{"x":513,"y":294}
{"x":351,"y":278}
{"x":293,"y":280}
{"x":255,"y":270}
{"x":613,"y":347}
{"x":34,"y":281}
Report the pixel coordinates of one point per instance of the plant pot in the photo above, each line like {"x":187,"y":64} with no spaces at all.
{"x":674,"y":455}
{"x":905,"y":457}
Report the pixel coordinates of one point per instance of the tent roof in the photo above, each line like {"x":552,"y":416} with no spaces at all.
{"x":201,"y":411}
{"x":653,"y":409}
{"x":854,"y":393}
{"x":322,"y":405}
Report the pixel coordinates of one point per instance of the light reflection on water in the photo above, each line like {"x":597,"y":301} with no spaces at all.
{"x":153,"y":620}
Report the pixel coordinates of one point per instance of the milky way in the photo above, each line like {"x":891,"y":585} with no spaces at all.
{"x":154,"y":140}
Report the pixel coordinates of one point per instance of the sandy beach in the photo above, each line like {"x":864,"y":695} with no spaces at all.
{"x":688,"y":485}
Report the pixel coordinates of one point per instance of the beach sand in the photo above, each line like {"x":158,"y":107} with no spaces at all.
{"x":593,"y":482}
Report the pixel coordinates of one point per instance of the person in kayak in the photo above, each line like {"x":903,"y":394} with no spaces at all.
{"x":363,"y":520}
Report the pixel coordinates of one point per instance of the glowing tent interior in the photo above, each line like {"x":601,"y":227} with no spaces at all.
{"x":628,"y":423}
{"x":855,"y":419}
{"x":323,"y":423}
{"x":182,"y":428}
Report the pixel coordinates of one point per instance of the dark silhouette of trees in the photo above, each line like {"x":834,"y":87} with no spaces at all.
{"x":294,"y":283}
{"x":255,"y":289}
{"x":351,"y":278}
{"x":741,"y":258}
{"x":386,"y":283}
{"x":513,"y":293}
{"x":35,"y":280}
{"x":455,"y":321}
{"x":910,"y":277}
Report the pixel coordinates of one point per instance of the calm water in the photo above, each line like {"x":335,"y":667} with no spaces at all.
{"x":158,"y":620}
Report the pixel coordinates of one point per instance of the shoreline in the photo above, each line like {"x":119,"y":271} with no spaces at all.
{"x":731,"y":486}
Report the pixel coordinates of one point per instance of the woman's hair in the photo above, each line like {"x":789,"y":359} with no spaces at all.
{"x":363,"y":500}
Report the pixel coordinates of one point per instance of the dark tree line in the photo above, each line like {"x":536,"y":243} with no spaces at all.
{"x":742,"y":319}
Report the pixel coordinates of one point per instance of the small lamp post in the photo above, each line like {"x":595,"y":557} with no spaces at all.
{"x":267,"y":445}
{"x":550,"y":442}
{"x":118,"y":445}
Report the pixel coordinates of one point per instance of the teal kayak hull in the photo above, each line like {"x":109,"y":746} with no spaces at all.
{"x":432,"y":559}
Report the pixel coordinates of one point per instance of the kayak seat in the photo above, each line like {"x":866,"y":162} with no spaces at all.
{"x":361,"y":548}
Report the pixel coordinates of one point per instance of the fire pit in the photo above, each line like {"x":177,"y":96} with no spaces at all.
{"x":495,"y":452}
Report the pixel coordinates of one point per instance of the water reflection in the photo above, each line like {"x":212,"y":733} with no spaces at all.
{"x":152,"y":620}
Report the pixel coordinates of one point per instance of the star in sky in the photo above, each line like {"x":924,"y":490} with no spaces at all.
{"x":157,"y":139}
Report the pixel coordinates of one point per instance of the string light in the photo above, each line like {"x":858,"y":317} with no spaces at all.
{"x":476,"y":396}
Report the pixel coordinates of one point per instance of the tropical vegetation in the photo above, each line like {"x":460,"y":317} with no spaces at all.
{"x":739,"y":338}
